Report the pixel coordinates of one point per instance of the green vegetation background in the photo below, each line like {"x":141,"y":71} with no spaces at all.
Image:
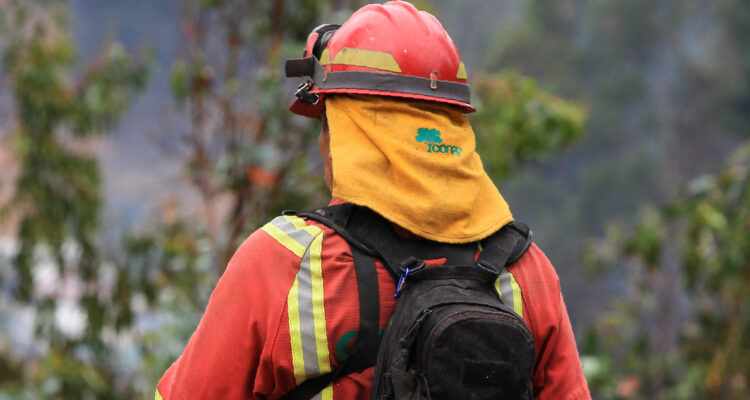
{"x":616,"y":128}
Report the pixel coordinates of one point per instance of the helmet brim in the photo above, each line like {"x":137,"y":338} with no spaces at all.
{"x":314,"y":110}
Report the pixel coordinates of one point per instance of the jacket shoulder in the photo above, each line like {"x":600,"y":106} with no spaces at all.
{"x":536,"y":270}
{"x":293,"y":233}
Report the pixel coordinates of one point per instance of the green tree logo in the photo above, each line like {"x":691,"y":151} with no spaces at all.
{"x":429,"y":136}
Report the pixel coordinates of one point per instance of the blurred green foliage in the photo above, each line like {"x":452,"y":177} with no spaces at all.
{"x":517,"y":123}
{"x":707,"y":227}
{"x":57,"y":199}
{"x":679,"y":332}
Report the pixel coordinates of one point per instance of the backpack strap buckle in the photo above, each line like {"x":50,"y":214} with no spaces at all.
{"x":504,"y":247}
{"x":409,"y":266}
{"x":486,"y":267}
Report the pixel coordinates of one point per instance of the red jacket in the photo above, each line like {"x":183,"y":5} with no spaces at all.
{"x":286,"y":309}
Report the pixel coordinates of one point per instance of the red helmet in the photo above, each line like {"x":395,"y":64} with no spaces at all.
{"x":387,"y":50}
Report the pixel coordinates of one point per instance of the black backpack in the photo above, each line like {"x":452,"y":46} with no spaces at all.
{"x":450,"y":336}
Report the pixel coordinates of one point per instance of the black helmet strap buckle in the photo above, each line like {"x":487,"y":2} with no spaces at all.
{"x":304,"y":95}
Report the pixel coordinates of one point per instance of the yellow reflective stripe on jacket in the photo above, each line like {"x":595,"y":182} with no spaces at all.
{"x":319,"y":312}
{"x":517,"y":301}
{"x":305,"y":300}
{"x":292,"y":233}
{"x":298,"y":358}
{"x":509,"y":291}
{"x":157,"y":396}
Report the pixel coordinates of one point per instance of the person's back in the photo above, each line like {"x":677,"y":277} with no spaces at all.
{"x":390,"y":89}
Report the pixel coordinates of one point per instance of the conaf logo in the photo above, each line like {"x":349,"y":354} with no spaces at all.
{"x":434,"y":142}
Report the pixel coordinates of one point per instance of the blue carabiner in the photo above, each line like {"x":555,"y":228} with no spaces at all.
{"x":401,"y":282}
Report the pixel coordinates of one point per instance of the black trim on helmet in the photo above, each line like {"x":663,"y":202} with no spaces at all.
{"x":381,"y":81}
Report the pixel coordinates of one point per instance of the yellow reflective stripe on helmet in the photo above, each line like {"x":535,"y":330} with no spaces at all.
{"x":461,"y":74}
{"x":509,"y":291}
{"x":157,"y":396}
{"x":325,"y":57}
{"x":361,"y":58}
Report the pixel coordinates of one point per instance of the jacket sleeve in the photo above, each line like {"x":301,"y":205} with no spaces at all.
{"x":558,"y":374}
{"x":229,"y":351}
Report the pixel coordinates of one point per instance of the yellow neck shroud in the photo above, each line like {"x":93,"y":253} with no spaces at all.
{"x":415,"y":163}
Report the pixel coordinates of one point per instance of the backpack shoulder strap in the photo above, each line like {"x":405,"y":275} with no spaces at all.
{"x":337,"y":218}
{"x":364,"y":352}
{"x":505,"y":247}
